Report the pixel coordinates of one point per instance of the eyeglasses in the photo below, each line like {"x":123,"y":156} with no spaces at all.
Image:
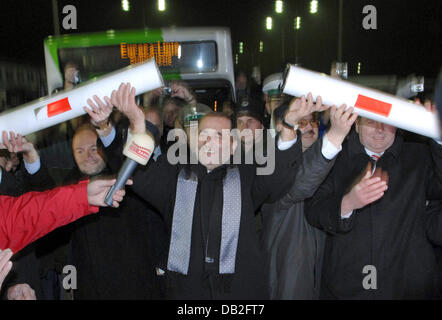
{"x":304,"y":123}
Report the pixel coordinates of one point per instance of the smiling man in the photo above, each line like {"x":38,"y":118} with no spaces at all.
{"x":379,"y":244}
{"x":88,"y":157}
{"x":212,"y":151}
{"x":375,"y":136}
{"x":102,"y":271}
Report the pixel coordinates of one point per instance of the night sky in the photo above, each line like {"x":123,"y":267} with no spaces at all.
{"x":407,"y":40}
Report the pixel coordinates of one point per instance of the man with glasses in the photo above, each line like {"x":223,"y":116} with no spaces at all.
{"x":379,"y":233}
{"x":309,"y":130}
{"x":293,"y":248}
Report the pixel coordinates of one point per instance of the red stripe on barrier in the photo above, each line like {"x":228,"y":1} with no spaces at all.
{"x":373,"y":105}
{"x":58,"y":107}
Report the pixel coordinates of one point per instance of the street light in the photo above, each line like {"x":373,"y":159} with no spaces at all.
{"x":269,"y":23}
{"x":297,"y":23}
{"x":313,"y":6}
{"x":161,"y":5}
{"x":279,"y":6}
{"x":125,"y":5}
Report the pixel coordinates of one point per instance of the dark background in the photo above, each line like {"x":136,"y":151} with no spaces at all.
{"x":407,"y":39}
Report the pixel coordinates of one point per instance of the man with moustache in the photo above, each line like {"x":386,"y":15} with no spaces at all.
{"x":293,"y":248}
{"x":378,"y":243}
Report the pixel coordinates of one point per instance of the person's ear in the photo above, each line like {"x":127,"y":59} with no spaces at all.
{"x":357,"y":125}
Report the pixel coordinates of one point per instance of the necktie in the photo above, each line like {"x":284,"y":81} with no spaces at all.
{"x":374,"y":158}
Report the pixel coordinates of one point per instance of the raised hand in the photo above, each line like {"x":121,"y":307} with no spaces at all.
{"x":341,"y":121}
{"x":99,"y":111}
{"x":124,"y":100}
{"x":181,"y":90}
{"x":300,"y":108}
{"x":428,"y":105}
{"x":431,"y":107}
{"x":18,"y":143}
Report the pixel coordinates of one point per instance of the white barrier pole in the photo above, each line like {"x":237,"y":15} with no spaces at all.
{"x":68,"y":104}
{"x":369,"y":103}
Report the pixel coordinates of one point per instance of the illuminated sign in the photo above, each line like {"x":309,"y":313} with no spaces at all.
{"x":138,"y":52}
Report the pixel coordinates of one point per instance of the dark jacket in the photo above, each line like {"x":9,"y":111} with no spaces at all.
{"x":294,"y":249}
{"x":158,"y":185}
{"x":110,"y":251}
{"x":157,"y":230}
{"x":391,"y":234}
{"x":434,"y":218}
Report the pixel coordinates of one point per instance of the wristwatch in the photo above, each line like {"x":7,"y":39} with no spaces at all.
{"x":102,"y":126}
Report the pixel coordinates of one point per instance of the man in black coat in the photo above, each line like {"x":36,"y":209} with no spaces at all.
{"x":111,"y":251}
{"x":112,"y":140}
{"x":379,"y":244}
{"x":201,"y":265}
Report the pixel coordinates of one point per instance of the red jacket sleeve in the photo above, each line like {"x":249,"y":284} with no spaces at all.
{"x":26,"y":218}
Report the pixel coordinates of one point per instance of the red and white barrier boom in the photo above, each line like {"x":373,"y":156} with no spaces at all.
{"x":369,"y":103}
{"x":68,"y":104}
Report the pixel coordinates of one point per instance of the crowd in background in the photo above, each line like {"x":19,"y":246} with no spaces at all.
{"x":347,"y":192}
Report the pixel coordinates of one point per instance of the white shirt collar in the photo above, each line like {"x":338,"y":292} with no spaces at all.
{"x":371,"y":153}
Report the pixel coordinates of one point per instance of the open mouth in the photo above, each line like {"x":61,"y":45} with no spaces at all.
{"x":210,"y":153}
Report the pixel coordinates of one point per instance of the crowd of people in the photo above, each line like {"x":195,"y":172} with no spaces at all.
{"x":350,"y":209}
